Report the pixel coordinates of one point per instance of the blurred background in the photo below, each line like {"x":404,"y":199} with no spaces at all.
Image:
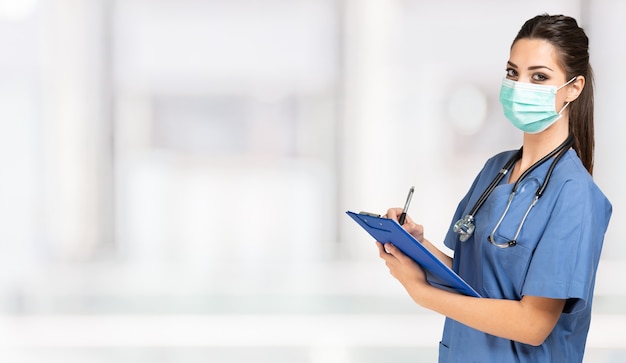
{"x":174,"y":173}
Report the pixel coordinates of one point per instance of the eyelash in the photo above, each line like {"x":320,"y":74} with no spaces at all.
{"x":510,"y":73}
{"x":537,"y":77}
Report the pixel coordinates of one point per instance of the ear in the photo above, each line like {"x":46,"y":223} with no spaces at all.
{"x":575,"y":88}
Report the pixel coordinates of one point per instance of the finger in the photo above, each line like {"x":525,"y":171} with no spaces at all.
{"x":394,"y":213}
{"x":398,"y":255}
{"x":410,"y":226}
{"x":389,"y":248}
{"x":394,"y":251}
{"x":384,"y":253}
{"x":381,"y":250}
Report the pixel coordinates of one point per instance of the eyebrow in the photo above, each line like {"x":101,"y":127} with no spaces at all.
{"x":529,"y":68}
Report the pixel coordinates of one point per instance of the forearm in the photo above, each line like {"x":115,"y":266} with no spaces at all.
{"x":447,"y":260}
{"x":529,"y":320}
{"x":510,"y":319}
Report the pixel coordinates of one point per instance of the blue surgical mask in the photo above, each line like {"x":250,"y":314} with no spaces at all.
{"x":530,"y":107}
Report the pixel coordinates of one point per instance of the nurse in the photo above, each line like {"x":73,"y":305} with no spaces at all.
{"x":536,"y":237}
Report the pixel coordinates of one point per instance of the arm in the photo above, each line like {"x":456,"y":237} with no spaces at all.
{"x":528,"y":321}
{"x":417,"y":231}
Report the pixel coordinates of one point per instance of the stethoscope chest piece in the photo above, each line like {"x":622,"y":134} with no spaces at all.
{"x":464,"y":227}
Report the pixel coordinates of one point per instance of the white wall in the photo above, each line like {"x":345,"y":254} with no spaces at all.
{"x":192,"y":161}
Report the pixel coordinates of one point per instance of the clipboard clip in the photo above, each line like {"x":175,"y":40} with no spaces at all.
{"x":370,"y":214}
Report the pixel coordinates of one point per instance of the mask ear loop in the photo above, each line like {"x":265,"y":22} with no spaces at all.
{"x":568,"y":82}
{"x":564,"y":107}
{"x":568,"y":102}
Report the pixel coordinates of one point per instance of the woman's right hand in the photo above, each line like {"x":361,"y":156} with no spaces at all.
{"x":416,"y":230}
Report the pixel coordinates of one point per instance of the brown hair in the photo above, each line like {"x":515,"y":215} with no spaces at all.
{"x":572,"y":46}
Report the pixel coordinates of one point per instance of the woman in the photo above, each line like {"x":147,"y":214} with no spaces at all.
{"x":530,"y":248}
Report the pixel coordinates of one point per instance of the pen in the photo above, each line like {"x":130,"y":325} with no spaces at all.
{"x":406,"y":206}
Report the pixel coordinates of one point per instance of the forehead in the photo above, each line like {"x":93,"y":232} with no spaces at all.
{"x":535,"y":52}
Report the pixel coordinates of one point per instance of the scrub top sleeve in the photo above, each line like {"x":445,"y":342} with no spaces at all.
{"x":565,"y":261}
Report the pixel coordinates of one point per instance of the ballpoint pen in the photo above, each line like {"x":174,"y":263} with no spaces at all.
{"x":406,"y":206}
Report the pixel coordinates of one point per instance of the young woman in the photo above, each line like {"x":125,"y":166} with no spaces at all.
{"x":528,"y":234}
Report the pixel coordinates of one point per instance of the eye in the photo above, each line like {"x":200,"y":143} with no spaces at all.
{"x":511,"y":73}
{"x":540,"y":77}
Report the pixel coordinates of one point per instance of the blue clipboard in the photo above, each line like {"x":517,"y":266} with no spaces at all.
{"x":437,"y":273}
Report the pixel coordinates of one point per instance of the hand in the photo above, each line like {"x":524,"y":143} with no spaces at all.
{"x":416,"y":230}
{"x":402,"y":267}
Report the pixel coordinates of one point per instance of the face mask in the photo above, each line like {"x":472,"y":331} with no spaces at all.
{"x":530,"y":107}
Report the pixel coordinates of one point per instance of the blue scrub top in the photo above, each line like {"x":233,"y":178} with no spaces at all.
{"x":556,"y":256}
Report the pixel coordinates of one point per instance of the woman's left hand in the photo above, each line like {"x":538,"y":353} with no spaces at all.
{"x":402,"y":267}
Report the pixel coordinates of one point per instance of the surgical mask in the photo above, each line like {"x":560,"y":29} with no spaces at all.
{"x":530,"y":107}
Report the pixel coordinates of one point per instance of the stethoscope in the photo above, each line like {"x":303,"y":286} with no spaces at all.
{"x":465,"y":226}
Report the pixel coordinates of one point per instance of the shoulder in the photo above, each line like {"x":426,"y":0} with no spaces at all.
{"x":577,"y":185}
{"x":491,"y":167}
{"x":498,"y":161}
{"x":572,"y":172}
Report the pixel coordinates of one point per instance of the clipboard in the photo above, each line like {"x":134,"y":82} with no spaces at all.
{"x":437,"y":273}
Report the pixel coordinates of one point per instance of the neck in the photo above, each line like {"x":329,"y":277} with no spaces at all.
{"x":536,"y":146}
{"x":539,"y":145}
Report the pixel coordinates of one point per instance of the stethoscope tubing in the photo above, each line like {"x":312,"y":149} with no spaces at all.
{"x":466,"y":224}
{"x":494,"y":183}
{"x":538,"y":194}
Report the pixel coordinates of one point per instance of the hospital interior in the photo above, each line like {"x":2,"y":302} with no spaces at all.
{"x":175,"y":173}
